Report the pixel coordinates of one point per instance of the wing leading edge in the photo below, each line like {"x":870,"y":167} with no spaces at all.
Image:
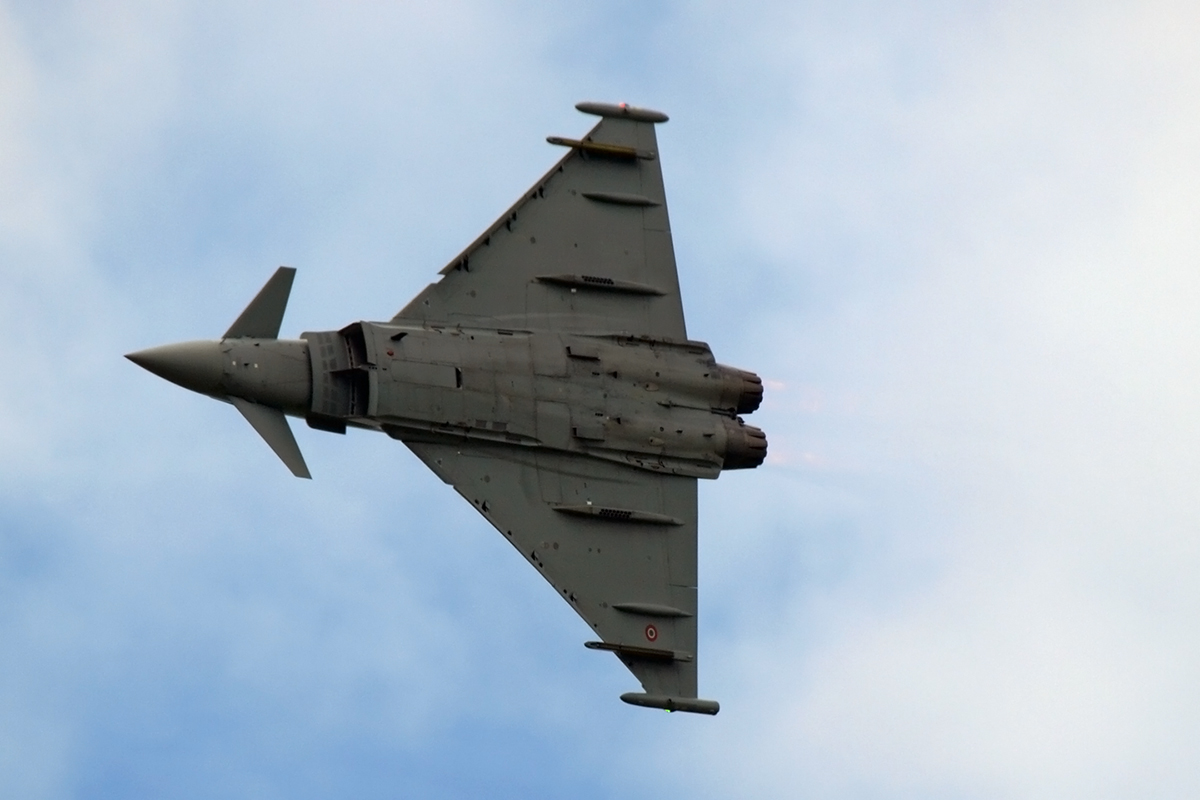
{"x":618,"y":544}
{"x":587,"y":248}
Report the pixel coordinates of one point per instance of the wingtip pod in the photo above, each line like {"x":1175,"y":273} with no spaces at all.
{"x":693,"y":704}
{"x":622,"y":110}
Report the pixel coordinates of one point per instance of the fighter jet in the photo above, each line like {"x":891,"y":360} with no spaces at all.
{"x":548,"y":377}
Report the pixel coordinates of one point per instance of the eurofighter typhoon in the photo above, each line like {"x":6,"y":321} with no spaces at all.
{"x":548,"y":377}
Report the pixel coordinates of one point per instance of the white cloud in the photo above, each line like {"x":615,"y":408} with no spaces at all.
{"x":958,"y":242}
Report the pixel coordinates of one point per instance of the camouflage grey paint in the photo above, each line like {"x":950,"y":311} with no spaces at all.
{"x":548,"y":378}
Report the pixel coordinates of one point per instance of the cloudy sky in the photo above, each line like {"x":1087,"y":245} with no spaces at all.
{"x":960,"y":240}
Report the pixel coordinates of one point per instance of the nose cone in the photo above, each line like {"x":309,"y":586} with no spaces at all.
{"x":192,"y":365}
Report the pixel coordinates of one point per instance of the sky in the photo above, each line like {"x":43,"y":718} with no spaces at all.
{"x":959,"y":241}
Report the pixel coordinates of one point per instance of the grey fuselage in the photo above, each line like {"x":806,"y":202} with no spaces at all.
{"x":653,"y":404}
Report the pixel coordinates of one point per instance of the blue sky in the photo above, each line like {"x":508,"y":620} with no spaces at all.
{"x":959,"y":241}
